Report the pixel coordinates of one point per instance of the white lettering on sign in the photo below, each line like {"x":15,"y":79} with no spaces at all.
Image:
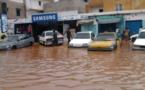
{"x":46,"y":17}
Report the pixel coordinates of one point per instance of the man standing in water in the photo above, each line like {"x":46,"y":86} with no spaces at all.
{"x":68,"y":34}
{"x":55,"y":39}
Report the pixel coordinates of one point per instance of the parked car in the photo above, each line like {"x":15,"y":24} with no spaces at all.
{"x":133,"y":37}
{"x":46,"y":38}
{"x":16,"y":41}
{"x":82,"y":39}
{"x":104,"y":41}
{"x":139,"y":43}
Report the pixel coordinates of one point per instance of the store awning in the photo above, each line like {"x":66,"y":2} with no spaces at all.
{"x":107,"y":21}
{"x":86,"y":21}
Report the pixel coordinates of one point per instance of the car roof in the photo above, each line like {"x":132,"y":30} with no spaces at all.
{"x":143,"y":30}
{"x":49,"y":31}
{"x":107,"y":33}
{"x":85,"y":32}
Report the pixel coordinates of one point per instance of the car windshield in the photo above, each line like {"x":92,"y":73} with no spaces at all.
{"x":82,"y":36}
{"x":105,"y":37}
{"x":48,"y":34}
{"x":12,"y":38}
{"x":43,"y":34}
{"x":141,"y":35}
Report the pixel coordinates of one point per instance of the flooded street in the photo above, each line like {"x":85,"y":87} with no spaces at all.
{"x":61,"y":68}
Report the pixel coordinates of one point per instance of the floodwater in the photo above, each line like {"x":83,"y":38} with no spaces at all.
{"x":61,"y":68}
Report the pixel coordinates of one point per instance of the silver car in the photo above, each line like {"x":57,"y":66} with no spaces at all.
{"x":17,"y":41}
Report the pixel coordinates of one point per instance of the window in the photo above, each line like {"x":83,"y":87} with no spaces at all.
{"x":4,"y":8}
{"x":101,"y":10}
{"x":18,"y":12}
{"x":119,"y":7}
{"x":39,"y":3}
{"x":86,"y":1}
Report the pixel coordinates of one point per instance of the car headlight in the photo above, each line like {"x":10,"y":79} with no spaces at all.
{"x":8,"y":46}
{"x":49,"y":40}
{"x":60,"y":38}
{"x":70,"y":44}
{"x":85,"y":44}
{"x":112,"y":47}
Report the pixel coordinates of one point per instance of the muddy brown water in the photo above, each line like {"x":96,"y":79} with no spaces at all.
{"x":61,"y":68}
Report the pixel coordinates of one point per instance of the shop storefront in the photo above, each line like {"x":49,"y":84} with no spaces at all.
{"x":42,"y":22}
{"x":135,"y":21}
{"x":22,"y":27}
{"x":110,"y":23}
{"x":88,"y":25}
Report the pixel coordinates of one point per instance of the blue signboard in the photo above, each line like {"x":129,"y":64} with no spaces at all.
{"x":50,"y":17}
{"x":0,"y":24}
{"x":3,"y":23}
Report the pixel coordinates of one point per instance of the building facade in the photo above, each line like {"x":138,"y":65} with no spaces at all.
{"x":115,"y":5}
{"x":13,"y":8}
{"x":20,"y":8}
{"x":66,"y":5}
{"x":33,"y":6}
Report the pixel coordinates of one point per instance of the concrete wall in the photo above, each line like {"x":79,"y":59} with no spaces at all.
{"x":32,"y":7}
{"x":110,"y":5}
{"x":65,"y":5}
{"x":11,"y":9}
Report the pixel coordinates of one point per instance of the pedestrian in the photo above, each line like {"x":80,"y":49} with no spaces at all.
{"x":68,"y":34}
{"x":126,"y":34}
{"x":125,"y":37}
{"x":55,"y":39}
{"x":30,"y":30}
{"x":118,"y":33}
{"x":117,"y":30}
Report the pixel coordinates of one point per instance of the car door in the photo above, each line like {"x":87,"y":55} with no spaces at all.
{"x":27,"y":40}
{"x":23,"y":41}
{"x":20,"y":42}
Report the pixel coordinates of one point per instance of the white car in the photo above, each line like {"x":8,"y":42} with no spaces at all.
{"x":139,"y":43}
{"x":46,"y":38}
{"x":82,"y":39}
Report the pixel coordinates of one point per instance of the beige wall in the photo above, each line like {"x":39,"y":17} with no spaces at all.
{"x":110,"y":5}
{"x":11,"y":7}
{"x":65,"y":5}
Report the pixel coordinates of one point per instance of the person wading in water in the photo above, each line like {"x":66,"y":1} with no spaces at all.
{"x":55,"y":39}
{"x":68,"y":34}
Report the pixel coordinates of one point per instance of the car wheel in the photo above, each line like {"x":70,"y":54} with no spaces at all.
{"x":115,"y":47}
{"x":31,"y":43}
{"x":14,"y":47}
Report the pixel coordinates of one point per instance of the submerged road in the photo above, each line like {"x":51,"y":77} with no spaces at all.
{"x":62,"y":68}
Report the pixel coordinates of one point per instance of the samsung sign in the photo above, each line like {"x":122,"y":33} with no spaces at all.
{"x":52,"y":17}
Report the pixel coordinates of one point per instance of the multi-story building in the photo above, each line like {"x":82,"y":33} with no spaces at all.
{"x":115,"y":5}
{"x":84,"y":6}
{"x":13,"y":8}
{"x":20,"y":8}
{"x":66,"y":5}
{"x":33,"y":6}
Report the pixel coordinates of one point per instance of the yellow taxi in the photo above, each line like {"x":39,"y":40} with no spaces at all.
{"x":104,"y":41}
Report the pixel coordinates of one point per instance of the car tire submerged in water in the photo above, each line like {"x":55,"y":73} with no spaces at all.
{"x":14,"y":47}
{"x":31,"y":43}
